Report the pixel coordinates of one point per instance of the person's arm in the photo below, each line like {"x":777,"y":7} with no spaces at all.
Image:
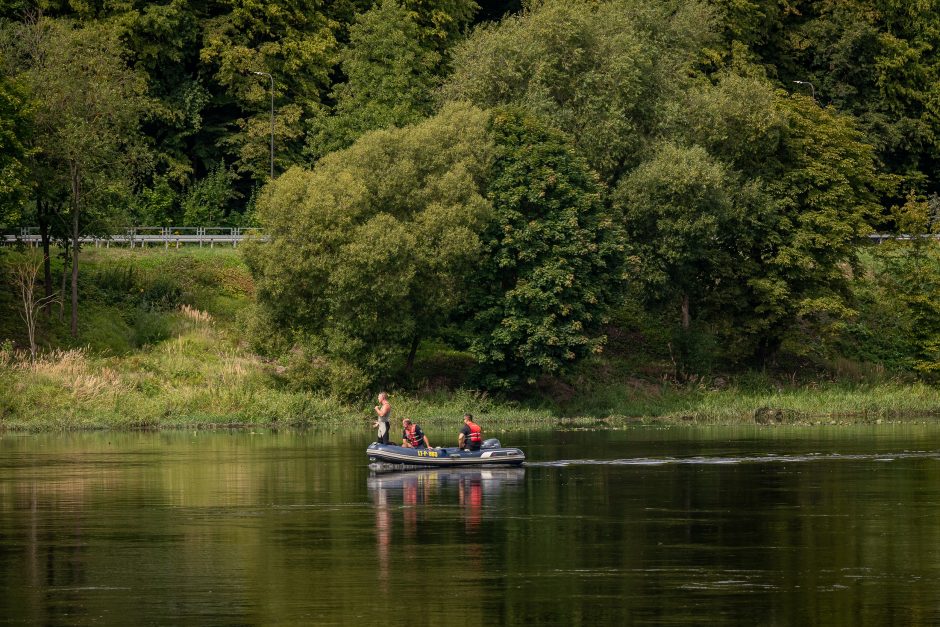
{"x":460,"y":440}
{"x":422,"y":437}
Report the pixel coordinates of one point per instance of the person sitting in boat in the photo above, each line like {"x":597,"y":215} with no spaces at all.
{"x":412,"y":436}
{"x":471,"y":435}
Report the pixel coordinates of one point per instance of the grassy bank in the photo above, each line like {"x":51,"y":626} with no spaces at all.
{"x":162,"y":346}
{"x":190,"y":381}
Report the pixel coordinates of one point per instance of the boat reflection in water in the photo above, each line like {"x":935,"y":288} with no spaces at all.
{"x":426,"y":496}
{"x":435,"y":486}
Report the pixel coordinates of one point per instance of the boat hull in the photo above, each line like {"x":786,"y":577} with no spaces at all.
{"x":444,"y":457}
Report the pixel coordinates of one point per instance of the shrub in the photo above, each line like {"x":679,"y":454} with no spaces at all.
{"x":150,"y":327}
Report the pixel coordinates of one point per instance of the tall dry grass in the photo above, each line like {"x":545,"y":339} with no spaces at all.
{"x":72,"y":369}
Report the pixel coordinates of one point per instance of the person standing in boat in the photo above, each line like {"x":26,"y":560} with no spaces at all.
{"x":412,"y":436}
{"x":471,"y":435}
{"x":384,"y":412}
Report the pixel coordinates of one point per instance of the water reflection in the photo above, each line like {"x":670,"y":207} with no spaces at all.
{"x":438,"y":486}
{"x":415,"y":490}
{"x":630,"y":527}
{"x":418,"y":493}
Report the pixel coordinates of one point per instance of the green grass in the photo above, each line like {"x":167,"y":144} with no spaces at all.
{"x":161,"y":347}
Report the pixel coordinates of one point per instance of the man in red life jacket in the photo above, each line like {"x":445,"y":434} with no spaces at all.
{"x":471,"y":435}
{"x":412,"y":436}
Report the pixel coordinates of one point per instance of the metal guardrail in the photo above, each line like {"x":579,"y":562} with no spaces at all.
{"x":881,"y":237}
{"x":144,"y":236}
{"x":147,"y":236}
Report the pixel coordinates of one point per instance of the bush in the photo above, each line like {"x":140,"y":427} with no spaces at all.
{"x":103,"y":329}
{"x":694,"y":351}
{"x":209,"y":197}
{"x":307,"y":370}
{"x":150,"y":327}
{"x":117,"y":283}
{"x":161,"y":292}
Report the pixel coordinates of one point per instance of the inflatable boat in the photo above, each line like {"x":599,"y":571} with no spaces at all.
{"x":491,"y":453}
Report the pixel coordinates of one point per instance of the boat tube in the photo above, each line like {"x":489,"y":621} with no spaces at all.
{"x":491,"y":453}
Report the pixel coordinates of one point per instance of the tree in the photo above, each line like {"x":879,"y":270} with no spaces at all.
{"x":735,"y":115}
{"x":874,"y":59}
{"x":753,"y":211}
{"x":371,"y":250}
{"x":25,"y":274}
{"x":391,"y":77}
{"x":551,"y":257}
{"x":908,"y":276}
{"x":796,"y":253}
{"x":207,"y":202}
{"x":87,"y":106}
{"x":442,"y":22}
{"x":296,"y":41}
{"x":682,"y":214}
{"x":599,"y":71}
{"x":14,"y":154}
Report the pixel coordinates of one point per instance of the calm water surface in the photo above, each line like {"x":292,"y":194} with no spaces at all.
{"x":778,"y":526}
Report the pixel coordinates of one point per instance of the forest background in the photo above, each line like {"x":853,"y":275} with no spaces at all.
{"x":589,"y":207}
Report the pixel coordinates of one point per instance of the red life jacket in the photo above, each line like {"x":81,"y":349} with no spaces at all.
{"x":476,"y":433}
{"x":416,"y":440}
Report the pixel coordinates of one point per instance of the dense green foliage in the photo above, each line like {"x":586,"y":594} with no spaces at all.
{"x":14,"y":175}
{"x":162,"y":345}
{"x":552,"y":258}
{"x":600,"y":71}
{"x":683,"y":185}
{"x":87,"y":107}
{"x":384,"y":234}
{"x":390,"y":73}
{"x":873,"y":59}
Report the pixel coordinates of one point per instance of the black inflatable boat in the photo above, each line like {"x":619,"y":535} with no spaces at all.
{"x":491,"y":453}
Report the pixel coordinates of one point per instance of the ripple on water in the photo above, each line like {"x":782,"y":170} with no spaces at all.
{"x":745,"y":459}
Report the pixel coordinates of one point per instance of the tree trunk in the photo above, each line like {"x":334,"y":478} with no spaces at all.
{"x":76,"y":203}
{"x":766,"y":352}
{"x":42,"y":213}
{"x":685,"y":312}
{"x":65,"y":275}
{"x":410,"y":364}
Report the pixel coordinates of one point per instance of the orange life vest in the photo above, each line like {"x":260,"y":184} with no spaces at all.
{"x":415,"y":437}
{"x":476,"y":433}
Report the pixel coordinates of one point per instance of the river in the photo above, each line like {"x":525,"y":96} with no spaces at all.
{"x":643,"y":525}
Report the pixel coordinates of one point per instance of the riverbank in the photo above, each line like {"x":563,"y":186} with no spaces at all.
{"x":162,"y":346}
{"x":189,"y":382}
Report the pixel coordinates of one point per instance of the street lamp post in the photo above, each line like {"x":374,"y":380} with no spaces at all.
{"x":812,"y":89}
{"x":271,"y":76}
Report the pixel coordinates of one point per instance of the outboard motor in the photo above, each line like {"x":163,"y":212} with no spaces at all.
{"x":491,"y":443}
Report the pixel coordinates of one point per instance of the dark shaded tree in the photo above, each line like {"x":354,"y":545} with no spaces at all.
{"x":551,"y":262}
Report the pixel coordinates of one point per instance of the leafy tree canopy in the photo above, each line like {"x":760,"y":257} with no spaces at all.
{"x":683,"y":211}
{"x":381,"y":238}
{"x":87,"y":106}
{"x":598,"y":70}
{"x":551,"y":262}
{"x":874,"y":59}
{"x":391,"y":79}
{"x":14,"y":153}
